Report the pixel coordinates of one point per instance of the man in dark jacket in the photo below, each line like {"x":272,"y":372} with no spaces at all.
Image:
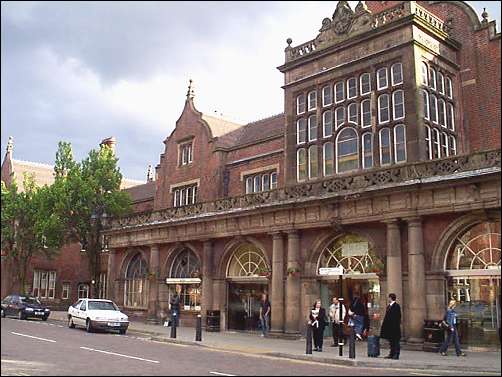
{"x":391,"y":327}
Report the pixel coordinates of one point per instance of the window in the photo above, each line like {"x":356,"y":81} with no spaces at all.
{"x":265,"y":182}
{"x":83,"y":304}
{"x":366,"y":113}
{"x":65,"y":293}
{"x":382,"y":78}
{"x":385,"y":151}
{"x":453,"y":145}
{"x":273,"y":181}
{"x":347,"y":155}
{"x":186,"y":266}
{"x":365,"y":83}
{"x":398,"y":104}
{"x":328,"y":161}
{"x":186,"y":153}
{"x":339,"y":116}
{"x":327,"y":95}
{"x":312,"y":100}
{"x":301,"y":131}
{"x":425,"y":99}
{"x":436,"y":152}
{"x":327,"y":123}
{"x":301,"y":164}
{"x":450,"y":115}
{"x":441,"y":112}
{"x":312,"y":127}
{"x":397,"y":74}
{"x":83,"y":291}
{"x":352,"y":109}
{"x":183,"y":196}
{"x":36,"y":284}
{"x":428,"y":148}
{"x":52,"y":284}
{"x":424,"y":70}
{"x":257,"y":184}
{"x":449,"y":87}
{"x":313,"y":162}
{"x":249,"y":185}
{"x":383,"y":108}
{"x":136,"y":283}
{"x":351,"y":88}
{"x":400,"y":143}
{"x":432,"y":74}
{"x":440,"y":83}
{"x":434,"y":108}
{"x":44,"y":284}
{"x":367,"y":150}
{"x":339,"y":92}
{"x":444,"y":145}
{"x":300,"y":104}
{"x":261,"y":182}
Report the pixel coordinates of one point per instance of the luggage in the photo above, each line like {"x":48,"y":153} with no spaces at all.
{"x":373,"y":346}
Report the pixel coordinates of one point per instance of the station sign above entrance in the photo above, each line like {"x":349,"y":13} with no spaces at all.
{"x":331,"y":270}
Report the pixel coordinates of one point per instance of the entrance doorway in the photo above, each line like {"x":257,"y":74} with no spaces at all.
{"x":244,"y":305}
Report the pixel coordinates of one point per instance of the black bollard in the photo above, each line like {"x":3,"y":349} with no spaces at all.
{"x":198,"y":329}
{"x":309,"y":339}
{"x":173,"y":326}
{"x":352,"y":343}
{"x":340,"y":327}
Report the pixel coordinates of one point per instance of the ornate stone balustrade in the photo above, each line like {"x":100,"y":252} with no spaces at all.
{"x":293,"y":53}
{"x":429,"y":18}
{"x":345,"y":186}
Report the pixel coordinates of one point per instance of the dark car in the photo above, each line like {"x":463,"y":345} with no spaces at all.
{"x":24,"y":307}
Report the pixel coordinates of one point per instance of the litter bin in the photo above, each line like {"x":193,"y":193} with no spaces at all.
{"x":433,"y":335}
{"x":213,"y":321}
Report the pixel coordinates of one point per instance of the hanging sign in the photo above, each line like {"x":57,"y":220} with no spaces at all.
{"x":355,"y":249}
{"x":331,"y":271}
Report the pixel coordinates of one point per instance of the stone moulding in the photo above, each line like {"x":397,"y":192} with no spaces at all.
{"x":457,"y":167}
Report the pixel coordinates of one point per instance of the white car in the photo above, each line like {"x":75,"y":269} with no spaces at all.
{"x":97,"y":314}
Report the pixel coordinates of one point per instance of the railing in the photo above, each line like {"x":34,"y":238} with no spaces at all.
{"x":429,"y":18}
{"x":347,"y":186}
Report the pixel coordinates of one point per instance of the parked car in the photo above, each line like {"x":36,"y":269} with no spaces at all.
{"x":96,"y":314}
{"x":24,"y":307}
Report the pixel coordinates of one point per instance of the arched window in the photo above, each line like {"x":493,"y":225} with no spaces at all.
{"x":313,"y":162}
{"x":312,"y":127}
{"x":136,"y":283}
{"x":265,"y":182}
{"x":440,"y":83}
{"x":365,"y":83}
{"x":425,"y":99}
{"x":400,"y":143}
{"x":452,"y":145}
{"x":347,"y":155}
{"x":186,"y":270}
{"x":382,"y":82}
{"x":257,"y":184}
{"x":312,"y":97}
{"x":327,"y":95}
{"x":186,"y":265}
{"x":247,"y":261}
{"x":301,"y":131}
{"x":300,"y":104}
{"x":432,"y":74}
{"x":444,"y":145}
{"x":424,"y":70}
{"x":436,"y":149}
{"x":450,"y":115}
{"x":339,"y":92}
{"x":385,"y":148}
{"x":366,"y":113}
{"x":428,"y":147}
{"x":397,"y":74}
{"x":328,"y":161}
{"x":383,"y":108}
{"x":352,"y":110}
{"x":327,"y":123}
{"x":449,"y":87}
{"x":367,"y":150}
{"x":249,"y":185}
{"x":398,"y":104}
{"x":434,"y":108}
{"x":339,"y":116}
{"x":273,"y":181}
{"x":301,"y":164}
{"x":441,"y":112}
{"x":351,"y":88}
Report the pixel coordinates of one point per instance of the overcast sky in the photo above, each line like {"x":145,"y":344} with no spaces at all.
{"x":83,"y":71}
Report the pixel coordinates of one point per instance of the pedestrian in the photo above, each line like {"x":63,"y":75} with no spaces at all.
{"x":264,"y":314}
{"x":318,"y":322}
{"x":336,"y":323}
{"x":450,"y":320}
{"x":174,"y":305}
{"x":391,"y":327}
{"x":356,"y":312}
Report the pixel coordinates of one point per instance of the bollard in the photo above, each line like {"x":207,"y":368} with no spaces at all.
{"x":173,"y":326}
{"x":352,"y":343}
{"x":198,"y":329}
{"x":340,"y":327}
{"x":309,"y":339}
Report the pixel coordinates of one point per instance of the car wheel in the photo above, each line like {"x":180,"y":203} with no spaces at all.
{"x":122,"y":331}
{"x":88,"y":326}
{"x":20,"y":315}
{"x":71,"y":325}
{"x":44,"y":318}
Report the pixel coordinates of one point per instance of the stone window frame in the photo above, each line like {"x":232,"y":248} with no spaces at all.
{"x":312,"y":101}
{"x":364,"y":101}
{"x":424,"y":74}
{"x":330,"y":88}
{"x":379,"y":106}
{"x":80,"y":290}
{"x":342,"y":108}
{"x":396,"y":144}
{"x":182,"y":147}
{"x":298,"y":104}
{"x":304,"y":132}
{"x":432,"y":79}
{"x":380,"y":132}
{"x":393,"y":81}
{"x":443,"y":141}
{"x":441,"y":80}
{"x":324,"y":124}
{"x":174,"y":188}
{"x":363,"y":150}
{"x":394,"y":94}
{"x":338,"y":83}
{"x":365,"y":74}
{"x":49,"y":283}
{"x":249,"y":176}
{"x":352,"y":105}
{"x":312,"y":125}
{"x":349,"y":87}
{"x":65,"y":284}
{"x":449,"y":87}
{"x":382,"y":69}
{"x":337,"y":155}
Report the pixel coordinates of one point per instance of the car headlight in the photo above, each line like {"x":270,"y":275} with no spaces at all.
{"x":28,"y":309}
{"x":124,"y":319}
{"x":47,"y":310}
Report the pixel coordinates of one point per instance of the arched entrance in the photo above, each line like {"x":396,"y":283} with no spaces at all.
{"x":472,"y":268}
{"x":185,"y":278}
{"x":355,"y":255}
{"x":247,"y":276}
{"x":136,"y":283}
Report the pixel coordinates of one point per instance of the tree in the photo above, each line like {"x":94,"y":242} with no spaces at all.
{"x":88,"y":193}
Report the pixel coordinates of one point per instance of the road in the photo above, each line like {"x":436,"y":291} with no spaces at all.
{"x":50,"y":348}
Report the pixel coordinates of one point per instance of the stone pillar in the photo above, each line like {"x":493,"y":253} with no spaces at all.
{"x":394,"y":271}
{"x":154,"y":273}
{"x":207,"y":279}
{"x":110,"y":275}
{"x":277,"y":320}
{"x":293,"y":285}
{"x":417,"y":304}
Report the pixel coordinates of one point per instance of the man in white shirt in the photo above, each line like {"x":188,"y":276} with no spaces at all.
{"x":334,"y":316}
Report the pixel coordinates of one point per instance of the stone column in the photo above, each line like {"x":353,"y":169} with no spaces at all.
{"x":154,"y":273}
{"x":110,"y":275}
{"x":277,"y":320}
{"x":394,"y":272}
{"x":207,"y":279}
{"x":293,"y":284}
{"x":417,"y":304}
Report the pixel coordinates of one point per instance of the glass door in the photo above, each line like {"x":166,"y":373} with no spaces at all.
{"x":244,"y":306}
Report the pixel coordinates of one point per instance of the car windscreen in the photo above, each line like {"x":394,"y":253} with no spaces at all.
{"x":30,"y":300}
{"x":101,"y":305}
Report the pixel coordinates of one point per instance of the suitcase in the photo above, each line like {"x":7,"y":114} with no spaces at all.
{"x":373,"y":346}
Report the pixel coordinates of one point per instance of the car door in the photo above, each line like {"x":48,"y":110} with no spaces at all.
{"x":82,"y":313}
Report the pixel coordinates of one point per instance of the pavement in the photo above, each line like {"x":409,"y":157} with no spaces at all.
{"x":252,"y":343}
